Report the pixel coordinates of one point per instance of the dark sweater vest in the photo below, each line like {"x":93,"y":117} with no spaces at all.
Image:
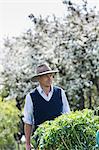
{"x":46,"y":110}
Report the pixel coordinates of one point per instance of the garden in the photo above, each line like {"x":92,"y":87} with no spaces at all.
{"x":70,"y":44}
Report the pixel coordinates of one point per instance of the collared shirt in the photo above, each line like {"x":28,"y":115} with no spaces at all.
{"x":28,"y":108}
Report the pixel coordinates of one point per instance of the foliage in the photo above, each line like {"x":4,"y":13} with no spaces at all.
{"x":8,"y":124}
{"x":74,"y":131}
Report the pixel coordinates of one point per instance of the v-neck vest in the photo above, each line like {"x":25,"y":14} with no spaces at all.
{"x":46,"y":110}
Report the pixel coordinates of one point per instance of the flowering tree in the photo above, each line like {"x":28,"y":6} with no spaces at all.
{"x":82,"y":37}
{"x":70,"y":43}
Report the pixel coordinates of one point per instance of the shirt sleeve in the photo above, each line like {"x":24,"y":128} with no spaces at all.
{"x":66,"y":108}
{"x":28,"y":111}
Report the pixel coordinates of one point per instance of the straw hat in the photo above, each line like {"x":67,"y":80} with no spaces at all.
{"x":42,"y":70}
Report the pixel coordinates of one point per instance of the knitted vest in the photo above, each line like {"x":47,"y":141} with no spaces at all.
{"x":46,"y":110}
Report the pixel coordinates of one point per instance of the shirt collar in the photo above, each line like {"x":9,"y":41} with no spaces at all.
{"x":39,"y":88}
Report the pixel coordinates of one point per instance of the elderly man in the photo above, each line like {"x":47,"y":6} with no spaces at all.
{"x":44,"y":102}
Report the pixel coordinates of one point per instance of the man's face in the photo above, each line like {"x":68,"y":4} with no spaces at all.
{"x":45,"y":80}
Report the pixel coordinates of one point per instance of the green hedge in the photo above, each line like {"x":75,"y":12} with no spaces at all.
{"x":8,"y":124}
{"x":74,"y":131}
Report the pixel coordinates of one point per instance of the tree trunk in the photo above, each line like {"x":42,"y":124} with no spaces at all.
{"x":90,"y":99}
{"x":82,"y":100}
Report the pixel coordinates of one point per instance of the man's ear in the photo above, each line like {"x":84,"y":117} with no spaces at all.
{"x":53,"y":75}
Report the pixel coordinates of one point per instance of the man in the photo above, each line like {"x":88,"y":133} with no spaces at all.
{"x":43,"y":103}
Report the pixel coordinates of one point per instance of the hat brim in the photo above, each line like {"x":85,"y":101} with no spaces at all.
{"x":34,"y":78}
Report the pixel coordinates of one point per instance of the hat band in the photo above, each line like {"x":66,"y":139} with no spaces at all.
{"x":42,"y":71}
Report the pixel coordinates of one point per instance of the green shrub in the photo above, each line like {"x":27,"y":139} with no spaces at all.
{"x":8,"y":124}
{"x":74,"y":131}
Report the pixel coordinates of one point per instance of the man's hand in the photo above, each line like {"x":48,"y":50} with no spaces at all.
{"x":28,"y":147}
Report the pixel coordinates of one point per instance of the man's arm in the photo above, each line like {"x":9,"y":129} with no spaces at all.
{"x":28,"y":120}
{"x":28,"y":130}
{"x":66,"y":108}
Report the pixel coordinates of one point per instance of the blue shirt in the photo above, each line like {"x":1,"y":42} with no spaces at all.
{"x":28,"y":108}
